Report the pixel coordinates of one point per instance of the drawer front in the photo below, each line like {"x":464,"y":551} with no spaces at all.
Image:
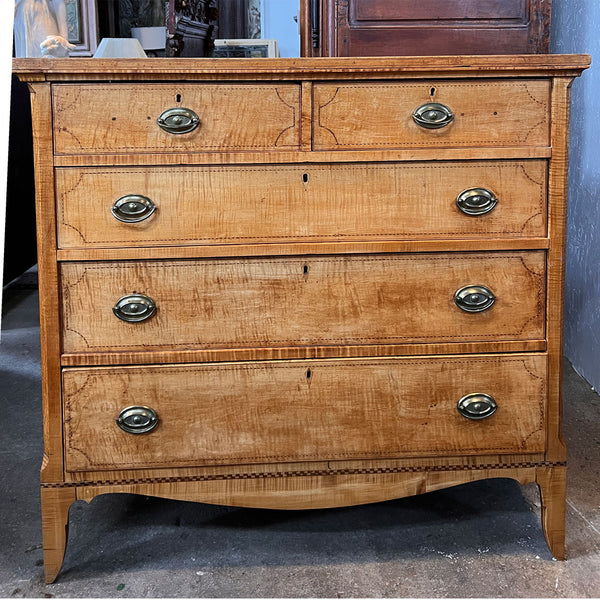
{"x":282,"y":203}
{"x":122,"y":118}
{"x":300,"y":301}
{"x":497,"y":113}
{"x":282,"y":411}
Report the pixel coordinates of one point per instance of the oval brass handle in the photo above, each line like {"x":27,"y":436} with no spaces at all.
{"x":134,"y":308}
{"x":137,"y":419}
{"x":474,"y":298}
{"x":132,"y":208}
{"x":476,"y":201}
{"x":178,"y":120}
{"x":477,"y":406}
{"x":433,"y":115}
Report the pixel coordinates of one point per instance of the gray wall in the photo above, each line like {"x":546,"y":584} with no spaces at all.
{"x":576,"y":29}
{"x":277,"y":22}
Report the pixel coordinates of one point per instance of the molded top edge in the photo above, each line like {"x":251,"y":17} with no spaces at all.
{"x":197,"y":68}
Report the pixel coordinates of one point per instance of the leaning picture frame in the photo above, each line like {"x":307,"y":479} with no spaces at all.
{"x":246,"y":48}
{"x":82,"y":26}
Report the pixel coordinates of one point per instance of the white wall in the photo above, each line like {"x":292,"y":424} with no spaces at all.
{"x":277,"y":22}
{"x":576,"y":29}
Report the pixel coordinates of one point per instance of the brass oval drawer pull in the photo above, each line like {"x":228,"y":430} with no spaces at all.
{"x":178,"y":120}
{"x":134,"y":308}
{"x":132,"y":208}
{"x":433,"y":115}
{"x":137,"y":419}
{"x":476,"y":201}
{"x":474,"y":298}
{"x":477,"y":406}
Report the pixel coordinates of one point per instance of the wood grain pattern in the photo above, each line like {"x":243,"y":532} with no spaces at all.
{"x":305,"y":248}
{"x":355,"y":116}
{"x":282,"y":204}
{"x":314,"y":492}
{"x":369,"y":467}
{"x":236,"y":413}
{"x":121,"y":118}
{"x":306,"y":110}
{"x":452,"y":27}
{"x":540,"y":15}
{"x":322,"y":69}
{"x":218,"y":157}
{"x":178,"y":356}
{"x":392,"y":28}
{"x":303,"y":301}
{"x":300,"y":357}
{"x":552,"y":482}
{"x":282,"y":69}
{"x":450,"y":10}
{"x":557,"y":196}
{"x":55,"y":526}
{"x":52,"y":461}
{"x":305,"y":20}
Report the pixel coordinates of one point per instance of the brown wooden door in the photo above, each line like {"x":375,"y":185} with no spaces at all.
{"x":425,"y":27}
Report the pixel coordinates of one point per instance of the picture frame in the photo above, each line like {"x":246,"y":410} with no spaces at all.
{"x":82,"y":26}
{"x":246,"y":48}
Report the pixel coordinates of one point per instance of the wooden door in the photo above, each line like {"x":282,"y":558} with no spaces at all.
{"x":425,"y":27}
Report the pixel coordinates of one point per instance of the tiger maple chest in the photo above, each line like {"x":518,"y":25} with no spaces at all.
{"x":300,"y":283}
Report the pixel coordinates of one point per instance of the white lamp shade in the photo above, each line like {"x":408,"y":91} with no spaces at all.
{"x":119,"y":48}
{"x":150,"y":38}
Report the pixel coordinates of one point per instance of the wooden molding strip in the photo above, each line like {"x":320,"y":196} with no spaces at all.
{"x":302,"y":248}
{"x":305,"y":155}
{"x":58,"y":69}
{"x":304,"y":473}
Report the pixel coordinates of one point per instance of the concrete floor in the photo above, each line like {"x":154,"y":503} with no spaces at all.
{"x":479,"y":540}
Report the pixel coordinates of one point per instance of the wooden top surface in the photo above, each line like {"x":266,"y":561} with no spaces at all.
{"x":77,"y":69}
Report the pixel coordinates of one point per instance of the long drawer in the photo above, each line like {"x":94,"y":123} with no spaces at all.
{"x":286,"y":411}
{"x":299,"y":301}
{"x":123,"y":118}
{"x":485,"y":113}
{"x":99,"y":207}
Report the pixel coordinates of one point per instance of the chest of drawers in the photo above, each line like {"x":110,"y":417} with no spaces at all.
{"x":300,"y":283}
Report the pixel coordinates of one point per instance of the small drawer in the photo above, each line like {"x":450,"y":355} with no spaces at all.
{"x":290,"y":411}
{"x":303,"y":301}
{"x":299,"y":203}
{"x":472,"y":113}
{"x":126,"y":118}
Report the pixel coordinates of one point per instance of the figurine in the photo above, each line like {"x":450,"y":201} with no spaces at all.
{"x":56,"y":46}
{"x":40,"y":28}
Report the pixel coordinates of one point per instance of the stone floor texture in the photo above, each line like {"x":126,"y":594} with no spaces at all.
{"x":479,"y":540}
